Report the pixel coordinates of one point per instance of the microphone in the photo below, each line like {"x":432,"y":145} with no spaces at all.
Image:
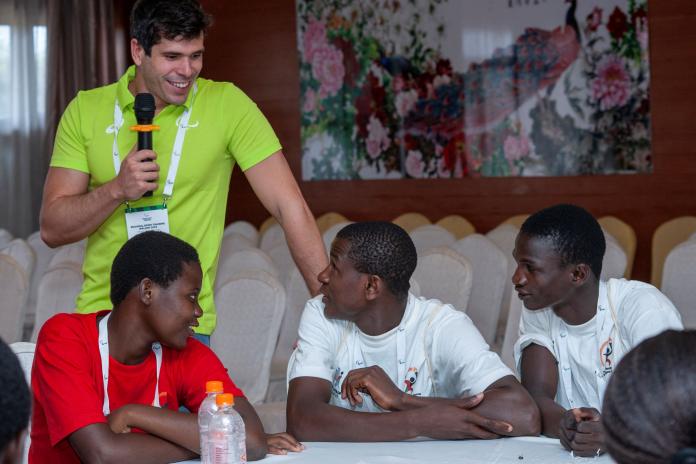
{"x":144,"y":108}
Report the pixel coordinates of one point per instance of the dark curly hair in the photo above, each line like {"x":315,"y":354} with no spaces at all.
{"x":152,"y":20}
{"x":649,"y":412}
{"x":383,"y":249}
{"x":155,"y":255}
{"x":574,"y":233}
{"x":15,"y":398}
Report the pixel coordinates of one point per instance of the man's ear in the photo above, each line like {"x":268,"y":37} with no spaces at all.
{"x":146,"y":290}
{"x":374,"y":287}
{"x":580,"y":273}
{"x":137,"y":52}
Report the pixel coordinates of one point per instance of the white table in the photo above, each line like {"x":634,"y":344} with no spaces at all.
{"x":523,"y":450}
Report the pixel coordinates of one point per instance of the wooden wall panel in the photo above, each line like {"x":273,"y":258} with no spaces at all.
{"x":253,"y":44}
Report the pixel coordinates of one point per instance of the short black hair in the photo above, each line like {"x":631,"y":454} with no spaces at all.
{"x":15,"y":398}
{"x":152,"y":20}
{"x":573,"y":232}
{"x":649,"y":412}
{"x":382,"y":249}
{"x":154,"y":255}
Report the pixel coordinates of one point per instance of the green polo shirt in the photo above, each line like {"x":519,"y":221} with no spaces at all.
{"x":225,"y":127}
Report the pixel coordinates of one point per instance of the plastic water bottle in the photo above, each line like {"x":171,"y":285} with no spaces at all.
{"x":226,"y":435}
{"x":206,"y":410}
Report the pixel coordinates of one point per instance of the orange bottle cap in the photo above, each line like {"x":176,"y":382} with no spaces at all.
{"x":213,"y":386}
{"x":224,"y":399}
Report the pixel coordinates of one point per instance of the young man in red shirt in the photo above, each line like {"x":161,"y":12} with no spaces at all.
{"x":99,"y":376}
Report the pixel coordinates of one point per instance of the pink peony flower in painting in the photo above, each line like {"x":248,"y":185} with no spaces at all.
{"x":612,"y":86}
{"x":310,"y":101}
{"x":515,"y":147}
{"x":314,"y":39}
{"x":405,"y":101}
{"x":415,"y":164}
{"x":328,"y":69}
{"x":377,"y":138}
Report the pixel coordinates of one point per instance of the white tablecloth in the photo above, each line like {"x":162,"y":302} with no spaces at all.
{"x":523,"y":450}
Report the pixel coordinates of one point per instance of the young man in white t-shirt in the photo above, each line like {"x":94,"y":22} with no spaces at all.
{"x":576,"y":328}
{"x":375,"y":363}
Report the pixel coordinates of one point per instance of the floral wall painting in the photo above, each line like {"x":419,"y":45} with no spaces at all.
{"x":394,"y":89}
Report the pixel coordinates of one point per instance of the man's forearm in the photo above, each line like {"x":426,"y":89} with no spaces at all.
{"x":69,"y":219}
{"x":551,"y":415}
{"x":174,"y":426}
{"x":325,"y":422}
{"x":97,"y":443}
{"x":514,"y":406}
{"x":305,"y":243}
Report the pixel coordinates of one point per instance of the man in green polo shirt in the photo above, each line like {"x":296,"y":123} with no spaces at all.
{"x":97,"y":178}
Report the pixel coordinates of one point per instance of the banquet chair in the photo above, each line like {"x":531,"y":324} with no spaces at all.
{"x":512,"y":331}
{"x":25,"y":256}
{"x":245,"y":228}
{"x":273,"y":236}
{"x":668,"y":235}
{"x":489,"y":277}
{"x":517,"y":220}
{"x":296,"y":296}
{"x":268,"y":222}
{"x":614,"y":261}
{"x":57,"y":292}
{"x":73,"y":253}
{"x":250,"y":310}
{"x":431,"y":236}
{"x":504,"y":237}
{"x":244,"y":260}
{"x":233,"y":243}
{"x":44,"y":254}
{"x":330,"y":234}
{"x":444,"y":274}
{"x":409,"y":221}
{"x":25,"y":354}
{"x":14,"y":289}
{"x":282,"y":258}
{"x":625,"y":235}
{"x":327,"y":220}
{"x":459,"y":226}
{"x":5,"y":237}
{"x":679,"y":280}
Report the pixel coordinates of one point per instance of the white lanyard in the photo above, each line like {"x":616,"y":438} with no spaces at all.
{"x":104,"y":355}
{"x":608,"y":338}
{"x":359,"y":359}
{"x":181,"y":122}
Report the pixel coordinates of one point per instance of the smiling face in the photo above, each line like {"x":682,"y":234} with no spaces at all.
{"x":541,"y":280}
{"x":171,"y":69}
{"x":174,"y":310}
{"x":342,"y":285}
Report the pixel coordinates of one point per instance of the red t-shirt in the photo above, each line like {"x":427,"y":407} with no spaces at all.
{"x":68,"y":389}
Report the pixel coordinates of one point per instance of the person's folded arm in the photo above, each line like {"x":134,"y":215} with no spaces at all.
{"x":181,"y":428}
{"x":505,"y":399}
{"x":539,"y":372}
{"x":97,"y":444}
{"x":310,"y":417}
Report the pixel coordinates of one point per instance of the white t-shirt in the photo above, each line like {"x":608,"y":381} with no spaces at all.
{"x":588,"y":353}
{"x":434,"y":352}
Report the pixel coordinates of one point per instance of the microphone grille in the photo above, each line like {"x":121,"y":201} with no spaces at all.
{"x":144,"y":107}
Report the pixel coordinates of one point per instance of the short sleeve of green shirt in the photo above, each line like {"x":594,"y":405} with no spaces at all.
{"x":252,"y":139}
{"x":69,"y":149}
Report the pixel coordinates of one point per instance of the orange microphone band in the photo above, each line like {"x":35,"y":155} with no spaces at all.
{"x":144,"y":127}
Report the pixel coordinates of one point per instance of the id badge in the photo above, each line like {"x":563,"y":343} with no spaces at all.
{"x":139,"y":220}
